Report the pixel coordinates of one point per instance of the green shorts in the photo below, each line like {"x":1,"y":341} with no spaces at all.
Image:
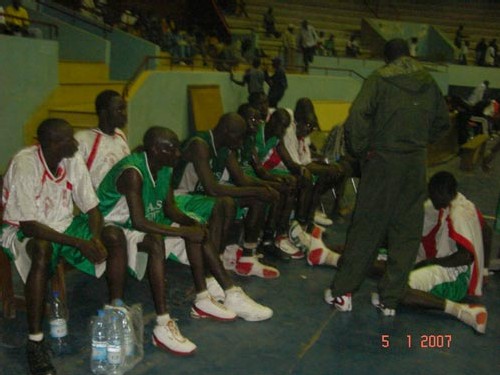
{"x":445,"y":282}
{"x":78,"y":228}
{"x":196,"y":206}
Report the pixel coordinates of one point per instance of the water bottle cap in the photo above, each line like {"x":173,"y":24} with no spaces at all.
{"x":118,"y":302}
{"x":55,"y":293}
{"x":100,"y":313}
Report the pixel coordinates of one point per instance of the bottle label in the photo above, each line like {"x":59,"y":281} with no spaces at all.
{"x":58,"y":328}
{"x":99,"y":351}
{"x":114,"y":354}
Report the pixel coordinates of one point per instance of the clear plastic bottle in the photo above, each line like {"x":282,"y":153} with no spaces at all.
{"x":58,"y":325}
{"x":114,"y":349}
{"x":98,"y":357}
{"x":128,"y":337}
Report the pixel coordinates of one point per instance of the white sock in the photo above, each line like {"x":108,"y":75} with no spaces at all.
{"x":36,"y":337}
{"x":162,"y":320}
{"x":452,"y":308}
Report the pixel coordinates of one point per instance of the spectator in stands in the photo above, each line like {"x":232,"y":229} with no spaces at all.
{"x":491,"y":53}
{"x":3,"y":24}
{"x":128,"y":20}
{"x":269,"y":23}
{"x":320,"y":45}
{"x":389,"y":202}
{"x":308,"y":40}
{"x":289,"y":45}
{"x":459,"y":36}
{"x":464,"y":51}
{"x":89,"y":9}
{"x":241,"y":9}
{"x":17,"y":18}
{"x":352,"y":46}
{"x":330,"y":46}
{"x":277,"y":83}
{"x":481,"y":48}
{"x":253,"y":78}
{"x":413,"y":47}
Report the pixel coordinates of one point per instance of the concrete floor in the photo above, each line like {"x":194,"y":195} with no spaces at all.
{"x":305,"y":336}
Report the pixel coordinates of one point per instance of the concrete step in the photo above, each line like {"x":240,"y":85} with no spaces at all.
{"x":80,"y":116}
{"x":76,"y":93}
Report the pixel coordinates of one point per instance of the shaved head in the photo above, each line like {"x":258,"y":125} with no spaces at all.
{"x":50,"y":129}
{"x":158,"y":134}
{"x":231,"y":130}
{"x":231,"y":121}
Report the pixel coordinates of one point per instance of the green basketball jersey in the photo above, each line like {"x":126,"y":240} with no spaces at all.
{"x":113,"y":205}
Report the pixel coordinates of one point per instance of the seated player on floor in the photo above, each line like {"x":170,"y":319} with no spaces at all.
{"x":450,"y":261}
{"x":137,"y":201}
{"x":41,"y":185}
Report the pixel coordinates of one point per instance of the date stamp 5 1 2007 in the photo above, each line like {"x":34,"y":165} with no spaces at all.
{"x":422,"y":341}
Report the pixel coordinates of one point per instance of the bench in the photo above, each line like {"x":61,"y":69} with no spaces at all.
{"x":472,"y":152}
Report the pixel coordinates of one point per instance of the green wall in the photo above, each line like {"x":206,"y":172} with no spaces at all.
{"x":29,"y":73}
{"x":163,"y":99}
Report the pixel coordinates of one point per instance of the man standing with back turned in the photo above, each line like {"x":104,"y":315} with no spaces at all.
{"x":398,"y":111}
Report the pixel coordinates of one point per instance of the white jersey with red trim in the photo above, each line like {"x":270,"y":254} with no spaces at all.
{"x":459,"y":223}
{"x":32,"y":193}
{"x":101,"y":151}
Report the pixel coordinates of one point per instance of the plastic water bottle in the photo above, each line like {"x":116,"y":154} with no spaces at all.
{"x":58,"y":325}
{"x":114,"y":348}
{"x":128,"y":337}
{"x":98,"y":357}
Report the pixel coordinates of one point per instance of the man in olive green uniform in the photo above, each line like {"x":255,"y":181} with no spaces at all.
{"x":398,"y":111}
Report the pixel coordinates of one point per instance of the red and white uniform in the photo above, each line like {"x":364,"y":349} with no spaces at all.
{"x":32,"y":193}
{"x":101,"y":151}
{"x":460,"y":223}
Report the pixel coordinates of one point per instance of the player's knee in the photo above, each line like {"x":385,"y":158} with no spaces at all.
{"x":41,"y":253}
{"x":112,"y":235}
{"x":153,"y":244}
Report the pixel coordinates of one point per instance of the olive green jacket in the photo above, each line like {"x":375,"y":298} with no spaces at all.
{"x":399,"y":109}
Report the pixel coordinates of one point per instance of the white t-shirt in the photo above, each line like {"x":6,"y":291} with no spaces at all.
{"x":101,"y":151}
{"x":32,"y":193}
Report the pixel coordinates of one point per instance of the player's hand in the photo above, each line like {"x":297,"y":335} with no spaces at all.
{"x":196,"y":233}
{"x":93,"y":250}
{"x":268,"y":194}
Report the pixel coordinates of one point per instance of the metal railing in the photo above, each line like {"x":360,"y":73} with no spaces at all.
{"x":53,"y":29}
{"x":218,"y":65}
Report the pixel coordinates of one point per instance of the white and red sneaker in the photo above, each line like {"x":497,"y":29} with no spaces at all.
{"x":230,"y":256}
{"x":341,"y":303}
{"x":474,"y":315}
{"x":205,"y":306}
{"x":319,"y":252}
{"x":168,"y":337}
{"x":250,"y":266}
{"x":375,"y":298}
{"x":285,"y":245}
{"x":322,"y":219}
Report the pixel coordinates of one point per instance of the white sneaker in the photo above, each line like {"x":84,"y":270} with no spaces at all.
{"x":245,"y":307}
{"x":474,"y":315}
{"x":321,"y":219}
{"x":285,"y":245}
{"x":250,"y":266}
{"x":205,"y":306}
{"x":341,"y":303}
{"x":230,"y":256}
{"x":169,"y":338}
{"x":375,"y":298}
{"x":215,"y":289}
{"x":299,"y":237}
{"x":318,"y":251}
